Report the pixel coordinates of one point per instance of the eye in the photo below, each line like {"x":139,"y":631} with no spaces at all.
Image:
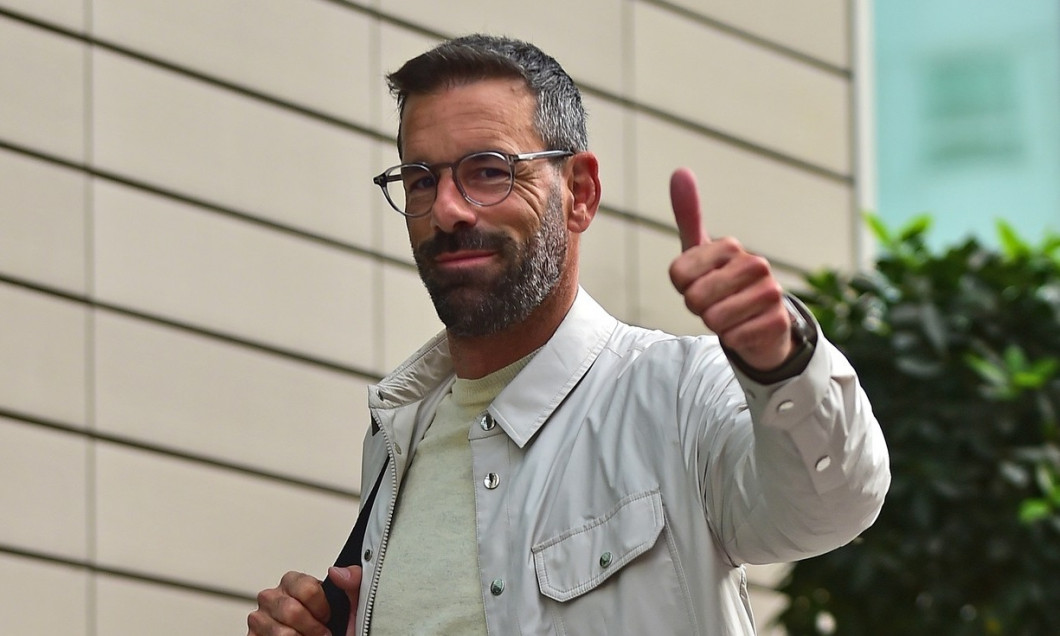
{"x":418,"y":179}
{"x":493,"y":172}
{"x":484,"y":170}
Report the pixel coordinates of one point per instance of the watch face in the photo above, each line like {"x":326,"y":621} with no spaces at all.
{"x":802,"y":331}
{"x":798,"y":322}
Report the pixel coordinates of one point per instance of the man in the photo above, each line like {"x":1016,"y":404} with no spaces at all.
{"x":542,"y":468}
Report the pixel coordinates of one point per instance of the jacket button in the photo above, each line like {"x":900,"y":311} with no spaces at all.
{"x":497,"y":587}
{"x":605,"y":559}
{"x":823,"y":464}
{"x":492,"y":480}
{"x":368,"y":554}
{"x":486,"y":422}
{"x":784,"y":406}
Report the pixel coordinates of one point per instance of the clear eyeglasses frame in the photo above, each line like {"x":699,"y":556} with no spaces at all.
{"x":483,"y":178}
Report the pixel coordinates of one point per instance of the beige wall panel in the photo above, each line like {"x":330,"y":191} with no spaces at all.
{"x":42,"y":355}
{"x":210,"y":526}
{"x":126,"y":607}
{"x":43,"y":105}
{"x":767,"y":606}
{"x":44,"y":481}
{"x":818,"y":29}
{"x":395,"y":239}
{"x":606,"y":270}
{"x":39,"y":598}
{"x":182,"y":391}
{"x":42,"y":222}
{"x":767,"y":603}
{"x":65,"y":13}
{"x":792,"y":281}
{"x":726,"y":83}
{"x":409,"y":316}
{"x":205,"y":142}
{"x":773,"y":208}
{"x":392,"y":233}
{"x":659,"y":306}
{"x":586,"y":37}
{"x":191,"y":265}
{"x":609,"y":137}
{"x":396,"y":46}
{"x":315,"y":54}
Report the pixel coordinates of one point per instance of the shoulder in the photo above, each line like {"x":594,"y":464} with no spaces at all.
{"x":662,"y":355}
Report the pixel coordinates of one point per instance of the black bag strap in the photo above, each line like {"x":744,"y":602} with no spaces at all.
{"x":350,"y":555}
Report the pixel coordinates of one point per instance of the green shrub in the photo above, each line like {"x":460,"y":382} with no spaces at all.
{"x":960,"y":354}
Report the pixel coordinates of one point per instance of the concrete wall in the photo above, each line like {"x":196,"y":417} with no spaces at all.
{"x":198,"y":279}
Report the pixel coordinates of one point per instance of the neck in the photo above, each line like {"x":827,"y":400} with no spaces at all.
{"x":478,"y":356}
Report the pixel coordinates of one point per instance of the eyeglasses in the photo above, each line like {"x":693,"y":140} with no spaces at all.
{"x":483,"y":178}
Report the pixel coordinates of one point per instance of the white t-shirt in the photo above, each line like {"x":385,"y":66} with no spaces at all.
{"x":429,"y":583}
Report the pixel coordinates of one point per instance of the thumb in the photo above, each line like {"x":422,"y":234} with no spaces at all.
{"x":684,"y":198}
{"x":348,"y":579}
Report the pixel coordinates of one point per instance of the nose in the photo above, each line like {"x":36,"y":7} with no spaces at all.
{"x":451,"y":210}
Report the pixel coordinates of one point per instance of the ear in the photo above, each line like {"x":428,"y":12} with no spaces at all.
{"x":584,"y":183}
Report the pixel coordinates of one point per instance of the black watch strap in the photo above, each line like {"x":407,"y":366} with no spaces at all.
{"x":803,"y":334}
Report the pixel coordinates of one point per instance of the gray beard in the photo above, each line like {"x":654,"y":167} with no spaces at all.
{"x":470,"y":305}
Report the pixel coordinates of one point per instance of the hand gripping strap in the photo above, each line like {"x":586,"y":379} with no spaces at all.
{"x":350,"y":555}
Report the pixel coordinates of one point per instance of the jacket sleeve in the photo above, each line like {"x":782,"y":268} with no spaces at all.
{"x":788,"y":470}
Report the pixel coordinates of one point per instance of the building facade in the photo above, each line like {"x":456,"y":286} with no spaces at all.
{"x":968,"y":112}
{"x":198,"y":279}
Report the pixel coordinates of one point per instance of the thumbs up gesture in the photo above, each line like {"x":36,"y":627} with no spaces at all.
{"x":730,"y":289}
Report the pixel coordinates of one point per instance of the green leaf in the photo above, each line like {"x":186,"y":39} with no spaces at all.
{"x":916,"y":228}
{"x":1011,"y":244}
{"x":1033,"y":510}
{"x":1044,"y":369}
{"x":1015,"y":359}
{"x":987,"y":370}
{"x":934,"y":326}
{"x":1044,"y":477}
{"x":1050,"y":244}
{"x":879,"y":230}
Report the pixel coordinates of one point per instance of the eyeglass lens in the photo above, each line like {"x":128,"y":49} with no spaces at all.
{"x":483,"y":178}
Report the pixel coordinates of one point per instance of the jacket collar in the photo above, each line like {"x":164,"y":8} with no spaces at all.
{"x":527,"y":402}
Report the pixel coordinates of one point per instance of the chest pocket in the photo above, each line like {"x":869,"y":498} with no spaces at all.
{"x":580,"y":559}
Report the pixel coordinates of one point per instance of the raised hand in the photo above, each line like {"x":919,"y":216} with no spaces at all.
{"x":730,"y":289}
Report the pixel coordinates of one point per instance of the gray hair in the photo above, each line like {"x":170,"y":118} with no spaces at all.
{"x":559,"y":117}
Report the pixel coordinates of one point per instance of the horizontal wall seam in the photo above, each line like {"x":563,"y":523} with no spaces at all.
{"x":751,"y":38}
{"x":724,"y":137}
{"x":190,"y":328}
{"x":223,"y":210}
{"x":247,"y":217}
{"x":705,"y":20}
{"x":130,"y":575}
{"x":179,"y":454}
{"x":702,"y":129}
{"x":206,"y":78}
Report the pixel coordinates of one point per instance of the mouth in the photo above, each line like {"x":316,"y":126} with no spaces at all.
{"x":464,"y":258}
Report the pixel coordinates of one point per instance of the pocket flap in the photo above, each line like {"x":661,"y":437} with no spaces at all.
{"x":581,"y":558}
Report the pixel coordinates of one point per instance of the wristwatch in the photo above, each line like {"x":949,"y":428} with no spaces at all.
{"x":803,"y":333}
{"x":803,"y":337}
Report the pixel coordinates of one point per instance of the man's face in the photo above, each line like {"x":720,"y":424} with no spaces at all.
{"x":486,"y":268}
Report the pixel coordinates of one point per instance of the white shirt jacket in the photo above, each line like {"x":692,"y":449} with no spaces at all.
{"x":624,"y":477}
